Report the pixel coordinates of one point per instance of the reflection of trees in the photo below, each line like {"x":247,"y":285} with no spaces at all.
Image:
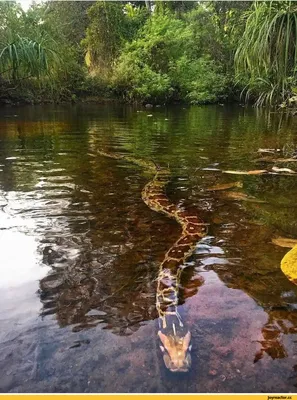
{"x":280,"y":193}
{"x":255,"y":269}
{"x":112,"y":281}
{"x":104,"y":245}
{"x":280,"y":322}
{"x":121,"y":302}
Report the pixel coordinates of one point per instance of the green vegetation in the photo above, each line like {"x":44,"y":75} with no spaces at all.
{"x":164,"y":63}
{"x":149,"y":51}
{"x":266,"y":56}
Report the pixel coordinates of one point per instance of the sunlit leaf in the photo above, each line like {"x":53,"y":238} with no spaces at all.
{"x":242,"y":197}
{"x":225,"y":186}
{"x":272,"y":151}
{"x":276,"y":160}
{"x":289,"y":265}
{"x":287,"y":170}
{"x":254,"y":172}
{"x":284,"y":160}
{"x":284,"y":242}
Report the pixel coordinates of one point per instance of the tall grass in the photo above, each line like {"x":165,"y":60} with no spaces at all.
{"x":267,"y":53}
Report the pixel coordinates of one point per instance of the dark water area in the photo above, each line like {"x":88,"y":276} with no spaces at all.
{"x":80,"y":250}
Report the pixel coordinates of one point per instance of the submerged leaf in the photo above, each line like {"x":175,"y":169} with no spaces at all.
{"x":283,"y":160}
{"x":289,"y":265}
{"x":275,"y":160}
{"x":235,"y":172}
{"x":257,"y":172}
{"x":225,"y":186}
{"x":242,"y":196}
{"x":288,"y":170}
{"x":272,"y":151}
{"x":266,"y":159}
{"x":210,"y":169}
{"x":253,"y":172}
{"x":284,"y":242}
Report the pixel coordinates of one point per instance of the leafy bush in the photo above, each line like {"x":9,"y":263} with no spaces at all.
{"x":200,"y":81}
{"x":137,"y":81}
{"x":161,"y":65}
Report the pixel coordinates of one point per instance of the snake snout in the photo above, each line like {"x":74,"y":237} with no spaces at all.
{"x":179,"y":364}
{"x":176,"y":351}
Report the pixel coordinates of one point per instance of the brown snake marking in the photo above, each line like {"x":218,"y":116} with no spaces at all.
{"x":175,"y":338}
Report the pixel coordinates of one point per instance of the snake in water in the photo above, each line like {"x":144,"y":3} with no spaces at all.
{"x":175,"y":338}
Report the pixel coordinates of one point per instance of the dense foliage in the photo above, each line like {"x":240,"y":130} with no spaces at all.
{"x":166,"y":61}
{"x":267,"y":54}
{"x":149,"y":51}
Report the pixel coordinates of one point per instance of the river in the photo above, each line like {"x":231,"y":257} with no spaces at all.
{"x":80,"y":250}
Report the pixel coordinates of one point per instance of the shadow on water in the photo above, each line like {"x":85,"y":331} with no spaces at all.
{"x":97,"y":247}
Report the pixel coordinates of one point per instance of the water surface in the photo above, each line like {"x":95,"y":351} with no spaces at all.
{"x":80,"y":250}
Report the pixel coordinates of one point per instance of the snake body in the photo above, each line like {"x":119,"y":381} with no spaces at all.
{"x":174,"y":336}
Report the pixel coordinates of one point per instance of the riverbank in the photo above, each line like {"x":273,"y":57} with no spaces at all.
{"x":27,"y":96}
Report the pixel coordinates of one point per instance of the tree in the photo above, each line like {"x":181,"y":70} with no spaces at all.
{"x":111,"y":25}
{"x":170,"y":60}
{"x":176,"y":7}
{"x":69,"y":19}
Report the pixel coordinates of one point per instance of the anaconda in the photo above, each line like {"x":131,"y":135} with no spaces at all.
{"x":174,"y":336}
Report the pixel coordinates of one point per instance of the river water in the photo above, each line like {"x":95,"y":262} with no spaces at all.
{"x":80,"y":251}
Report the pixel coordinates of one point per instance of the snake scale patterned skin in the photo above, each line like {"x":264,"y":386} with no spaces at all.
{"x":175,"y":338}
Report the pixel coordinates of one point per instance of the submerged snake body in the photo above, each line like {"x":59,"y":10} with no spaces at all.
{"x":175,"y":338}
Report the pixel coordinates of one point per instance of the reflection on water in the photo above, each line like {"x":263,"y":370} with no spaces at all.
{"x":80,"y":251}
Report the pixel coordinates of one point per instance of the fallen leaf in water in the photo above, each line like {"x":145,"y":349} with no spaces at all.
{"x":288,"y":170}
{"x":210,"y":169}
{"x":284,"y":242}
{"x":236,"y":195}
{"x":289,"y":265}
{"x":217,"y":220}
{"x":242,"y":196}
{"x":256,"y":222}
{"x":235,"y":172}
{"x":275,"y":160}
{"x":265,"y":159}
{"x":257,"y":172}
{"x":225,"y":186}
{"x":268,"y":150}
{"x":254,"y":172}
{"x":286,"y":160}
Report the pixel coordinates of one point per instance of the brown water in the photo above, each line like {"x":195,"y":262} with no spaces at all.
{"x":80,"y":250}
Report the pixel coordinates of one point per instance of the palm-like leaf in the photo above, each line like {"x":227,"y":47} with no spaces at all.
{"x":267,"y":52}
{"x":26,"y":57}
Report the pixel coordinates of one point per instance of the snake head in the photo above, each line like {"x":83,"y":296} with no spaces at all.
{"x":176,"y":352}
